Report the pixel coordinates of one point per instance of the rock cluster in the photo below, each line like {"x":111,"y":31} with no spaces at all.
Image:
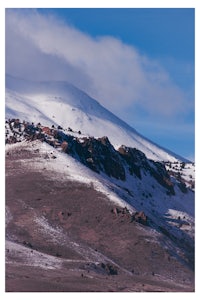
{"x":97,"y":154}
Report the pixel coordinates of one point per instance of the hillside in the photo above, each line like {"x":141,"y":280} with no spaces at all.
{"x":69,"y":226}
{"x":91,"y":205}
{"x":62,"y":104}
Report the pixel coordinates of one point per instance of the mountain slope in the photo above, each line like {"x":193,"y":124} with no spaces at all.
{"x":81,"y":206}
{"x":62,"y":104}
{"x":67,"y":225}
{"x":143,"y":184}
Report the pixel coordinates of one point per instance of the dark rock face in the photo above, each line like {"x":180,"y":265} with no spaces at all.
{"x":160,"y":174}
{"x":134,"y":158}
{"x":138,"y":162}
{"x":98,"y":154}
{"x":110,"y":269}
{"x":140,"y":217}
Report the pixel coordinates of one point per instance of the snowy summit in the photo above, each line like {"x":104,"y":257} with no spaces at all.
{"x":61,"y":103}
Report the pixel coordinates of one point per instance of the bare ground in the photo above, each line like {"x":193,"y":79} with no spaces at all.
{"x":63,"y":236}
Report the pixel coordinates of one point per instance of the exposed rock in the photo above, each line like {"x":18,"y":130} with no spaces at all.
{"x":27,"y":244}
{"x":137,"y":161}
{"x":100,"y":155}
{"x":110,"y":269}
{"x":123,"y":213}
{"x":64,"y":146}
{"x":97,"y":154}
{"x":139,"y":217}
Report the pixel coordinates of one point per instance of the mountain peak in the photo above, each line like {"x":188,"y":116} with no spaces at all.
{"x":61,"y":103}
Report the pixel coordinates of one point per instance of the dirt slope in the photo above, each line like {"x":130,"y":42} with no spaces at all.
{"x":66,"y":236}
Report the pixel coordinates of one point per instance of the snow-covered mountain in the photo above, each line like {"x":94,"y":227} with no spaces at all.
{"x":74,"y":167}
{"x":62,"y":104}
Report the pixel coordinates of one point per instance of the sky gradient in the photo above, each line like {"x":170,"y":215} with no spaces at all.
{"x":138,"y":63}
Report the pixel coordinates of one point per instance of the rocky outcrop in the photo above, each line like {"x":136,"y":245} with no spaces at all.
{"x":109,"y":269}
{"x":140,"y":217}
{"x":134,"y":158}
{"x":138,"y":163}
{"x":97,"y":154}
{"x":125,"y":214}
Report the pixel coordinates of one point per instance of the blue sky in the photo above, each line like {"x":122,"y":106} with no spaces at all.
{"x":146,"y":56}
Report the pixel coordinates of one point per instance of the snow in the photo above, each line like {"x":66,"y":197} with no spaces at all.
{"x":31,"y":258}
{"x":148,"y":195}
{"x":186,"y":170}
{"x":60,"y":103}
{"x":175,"y":212}
{"x":65,"y":167}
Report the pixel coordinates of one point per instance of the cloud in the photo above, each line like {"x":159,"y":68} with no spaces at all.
{"x":41,"y":47}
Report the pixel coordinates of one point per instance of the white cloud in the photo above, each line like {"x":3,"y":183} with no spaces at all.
{"x":117,"y":75}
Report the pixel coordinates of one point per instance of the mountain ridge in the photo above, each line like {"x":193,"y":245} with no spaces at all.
{"x":79,"y":111}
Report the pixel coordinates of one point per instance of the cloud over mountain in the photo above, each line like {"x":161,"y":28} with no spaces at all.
{"x":45,"y":48}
